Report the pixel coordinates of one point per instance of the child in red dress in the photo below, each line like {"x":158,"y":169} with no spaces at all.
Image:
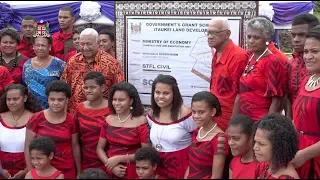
{"x":89,"y":117}
{"x":275,"y":146}
{"x":147,"y":161}
{"x":42,"y":150}
{"x":209,"y":148}
{"x":243,"y":165}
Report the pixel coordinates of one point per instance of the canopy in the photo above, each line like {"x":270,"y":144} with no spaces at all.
{"x":12,"y":12}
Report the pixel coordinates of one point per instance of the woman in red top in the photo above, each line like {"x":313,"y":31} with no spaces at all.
{"x":16,"y":108}
{"x":209,"y":148}
{"x":90,"y":116}
{"x":5,"y":80}
{"x":261,"y":85}
{"x":306,"y":110}
{"x":124,"y":131}
{"x":275,"y":145}
{"x":42,"y":151}
{"x":243,"y":165}
{"x":9,"y":55}
{"x":58,"y":125}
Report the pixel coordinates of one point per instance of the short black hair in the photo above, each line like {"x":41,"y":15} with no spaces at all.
{"x":245,"y":122}
{"x":309,"y":19}
{"x":147,"y":154}
{"x":78,"y":30}
{"x":132,"y":92}
{"x":97,"y":76}
{"x":43,"y":144}
{"x":93,"y":173}
{"x":49,"y":39}
{"x":177,"y":98}
{"x":11,"y":33}
{"x":69,"y":9}
{"x":28,"y":17}
{"x":211,"y":100}
{"x":283,"y":137}
{"x":107,"y":32}
{"x":314,"y":33}
{"x":58,"y":86}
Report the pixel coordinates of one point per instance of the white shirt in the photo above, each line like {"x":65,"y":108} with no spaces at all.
{"x":12,"y":139}
{"x":173,"y":136}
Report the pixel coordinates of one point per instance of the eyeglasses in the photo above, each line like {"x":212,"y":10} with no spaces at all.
{"x":214,"y":33}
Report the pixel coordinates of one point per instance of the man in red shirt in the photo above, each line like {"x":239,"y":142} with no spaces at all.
{"x":28,"y":26}
{"x":228,"y":65}
{"x":62,"y":40}
{"x":90,"y":58}
{"x":296,"y":67}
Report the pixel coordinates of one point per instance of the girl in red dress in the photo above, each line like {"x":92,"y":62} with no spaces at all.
{"x":306,"y":111}
{"x":16,"y":108}
{"x":209,"y":148}
{"x":124,"y":131}
{"x":243,"y":165}
{"x":9,"y":55}
{"x":90,"y":116}
{"x":58,"y":125}
{"x":171,"y":127}
{"x":262,"y":83}
{"x":275,"y":145}
{"x":42,"y":151}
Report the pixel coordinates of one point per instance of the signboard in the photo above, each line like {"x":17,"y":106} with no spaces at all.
{"x":174,"y":45}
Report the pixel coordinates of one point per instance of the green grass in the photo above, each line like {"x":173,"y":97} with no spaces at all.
{"x":317,"y":14}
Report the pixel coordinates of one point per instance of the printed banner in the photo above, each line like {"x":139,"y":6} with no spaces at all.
{"x":174,"y":45}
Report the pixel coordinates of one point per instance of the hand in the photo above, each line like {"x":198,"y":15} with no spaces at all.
{"x":119,"y":170}
{"x":5,"y":174}
{"x":299,"y":160}
{"x":20,"y":175}
{"x":112,"y":162}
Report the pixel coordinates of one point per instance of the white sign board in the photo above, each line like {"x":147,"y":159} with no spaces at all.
{"x":174,"y":45}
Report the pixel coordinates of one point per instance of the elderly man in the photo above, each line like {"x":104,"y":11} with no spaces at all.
{"x":297,"y":69}
{"x":28,"y":26}
{"x":90,"y":58}
{"x":62,"y":40}
{"x":228,"y":64}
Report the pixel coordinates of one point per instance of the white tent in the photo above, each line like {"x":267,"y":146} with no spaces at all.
{"x":103,"y":20}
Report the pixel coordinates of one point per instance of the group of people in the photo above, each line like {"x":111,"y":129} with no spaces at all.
{"x":65,"y":102}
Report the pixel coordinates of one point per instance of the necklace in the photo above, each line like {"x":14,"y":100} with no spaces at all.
{"x":15,"y":60}
{"x":123,"y":121}
{"x":15,"y":121}
{"x":159,"y":146}
{"x":312,"y":82}
{"x":199,"y":136}
{"x":247,"y":69}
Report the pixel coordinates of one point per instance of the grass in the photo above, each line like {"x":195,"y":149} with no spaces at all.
{"x":317,"y":14}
